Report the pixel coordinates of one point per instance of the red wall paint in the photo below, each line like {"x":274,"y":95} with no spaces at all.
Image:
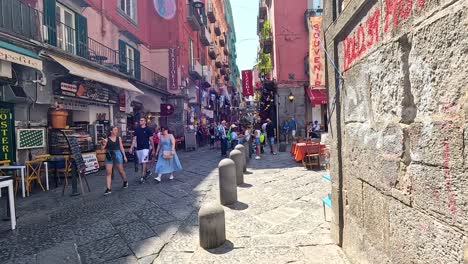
{"x":291,"y":40}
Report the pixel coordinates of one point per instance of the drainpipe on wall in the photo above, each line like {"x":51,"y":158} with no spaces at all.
{"x":103,"y":29}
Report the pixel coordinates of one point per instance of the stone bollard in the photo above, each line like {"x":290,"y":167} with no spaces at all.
{"x":242,"y":149}
{"x":227,"y":182}
{"x":212,"y":226}
{"x":239,"y":160}
{"x":247,"y":151}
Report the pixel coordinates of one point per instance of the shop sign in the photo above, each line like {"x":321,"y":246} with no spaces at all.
{"x":7,"y":151}
{"x":122,"y":102}
{"x":91,"y":163}
{"x":247,"y":84}
{"x":316,"y":53}
{"x":173,"y":83}
{"x":86,"y":90}
{"x":11,"y":56}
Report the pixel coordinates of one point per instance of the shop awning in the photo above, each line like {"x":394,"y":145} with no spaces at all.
{"x":95,"y":75}
{"x":317,"y":96}
{"x":19,"y":55}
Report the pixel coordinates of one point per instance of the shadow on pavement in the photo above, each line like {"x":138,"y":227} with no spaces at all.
{"x":133,"y":223}
{"x":225,"y":248}
{"x":238,"y":206}
{"x":245,"y":185}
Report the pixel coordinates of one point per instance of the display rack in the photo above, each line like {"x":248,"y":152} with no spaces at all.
{"x":58,"y":144}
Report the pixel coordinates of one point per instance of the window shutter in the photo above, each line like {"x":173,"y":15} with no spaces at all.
{"x":81,"y":30}
{"x":49,"y":21}
{"x":137,"y":65}
{"x":122,"y":56}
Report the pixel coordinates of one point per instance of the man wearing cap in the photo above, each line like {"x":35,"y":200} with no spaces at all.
{"x":234,"y":136}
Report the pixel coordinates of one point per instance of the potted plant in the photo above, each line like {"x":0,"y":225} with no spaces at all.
{"x":58,"y":116}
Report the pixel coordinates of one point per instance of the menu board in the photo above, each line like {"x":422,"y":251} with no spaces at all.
{"x":85,"y":163}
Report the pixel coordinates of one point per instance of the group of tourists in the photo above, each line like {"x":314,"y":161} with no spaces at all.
{"x":148,"y":147}
{"x":227,"y":136}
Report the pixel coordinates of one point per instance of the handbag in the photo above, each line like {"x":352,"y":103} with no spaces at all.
{"x":167,"y":154}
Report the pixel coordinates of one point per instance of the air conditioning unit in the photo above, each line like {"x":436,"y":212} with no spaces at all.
{"x":5,"y":69}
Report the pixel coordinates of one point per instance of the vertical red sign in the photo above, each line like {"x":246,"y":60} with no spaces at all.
{"x":173,"y":83}
{"x":247,"y":84}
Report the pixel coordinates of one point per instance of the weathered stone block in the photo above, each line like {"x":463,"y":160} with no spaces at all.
{"x":376,"y":222}
{"x":418,"y":238}
{"x":441,"y":192}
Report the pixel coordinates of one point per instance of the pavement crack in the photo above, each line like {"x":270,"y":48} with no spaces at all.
{"x":315,"y":245}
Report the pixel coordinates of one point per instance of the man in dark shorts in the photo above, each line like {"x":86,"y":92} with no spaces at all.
{"x":141,"y":141}
{"x":271,"y":135}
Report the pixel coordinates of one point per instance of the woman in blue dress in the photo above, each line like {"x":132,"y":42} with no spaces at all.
{"x":168,"y":162}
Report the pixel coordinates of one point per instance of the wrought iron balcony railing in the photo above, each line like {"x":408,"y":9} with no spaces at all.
{"x":26,"y":22}
{"x":19,"y":19}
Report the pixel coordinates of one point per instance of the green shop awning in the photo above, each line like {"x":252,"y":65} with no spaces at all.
{"x":12,"y":53}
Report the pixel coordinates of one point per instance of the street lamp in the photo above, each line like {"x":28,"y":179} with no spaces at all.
{"x":291,"y":97}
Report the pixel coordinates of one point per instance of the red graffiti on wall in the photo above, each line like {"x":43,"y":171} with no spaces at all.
{"x":367,"y":34}
{"x":448,"y":179}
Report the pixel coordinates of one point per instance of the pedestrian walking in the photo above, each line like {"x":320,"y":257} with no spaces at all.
{"x":293,"y":127}
{"x":115,"y":155}
{"x":168,"y":161}
{"x":257,"y":134}
{"x":271,"y":135}
{"x":212,"y":135}
{"x":223,"y":137}
{"x":142,"y":142}
{"x":234,"y":137}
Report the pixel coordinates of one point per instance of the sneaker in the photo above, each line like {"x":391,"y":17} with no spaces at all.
{"x":125,"y":184}
{"x":157,"y":179}
{"x":171,"y":177}
{"x":108,"y":191}
{"x":142,"y":180}
{"x":274,"y":153}
{"x":257,"y":157}
{"x":148,"y":173}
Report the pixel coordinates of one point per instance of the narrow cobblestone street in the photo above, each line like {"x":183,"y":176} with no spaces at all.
{"x":279,"y":218}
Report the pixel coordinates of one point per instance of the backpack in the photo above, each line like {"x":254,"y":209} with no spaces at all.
{"x":262,"y":138}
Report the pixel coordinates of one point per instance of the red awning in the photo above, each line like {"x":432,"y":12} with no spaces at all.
{"x":317,"y":96}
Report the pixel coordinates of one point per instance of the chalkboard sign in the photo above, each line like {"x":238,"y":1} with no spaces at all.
{"x":76,"y":153}
{"x":85,"y":163}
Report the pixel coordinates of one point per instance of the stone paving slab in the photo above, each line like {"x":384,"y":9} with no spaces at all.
{"x":278,"y":218}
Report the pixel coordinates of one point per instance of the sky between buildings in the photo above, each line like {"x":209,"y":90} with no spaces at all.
{"x":245,"y":21}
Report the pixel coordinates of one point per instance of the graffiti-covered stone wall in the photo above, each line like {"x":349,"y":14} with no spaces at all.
{"x":399,"y":163}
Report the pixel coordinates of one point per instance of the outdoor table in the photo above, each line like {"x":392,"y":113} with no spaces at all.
{"x":7,"y":181}
{"x":17,"y":167}
{"x":300,"y":150}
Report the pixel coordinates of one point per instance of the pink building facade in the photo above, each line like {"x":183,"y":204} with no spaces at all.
{"x":289,"y":59}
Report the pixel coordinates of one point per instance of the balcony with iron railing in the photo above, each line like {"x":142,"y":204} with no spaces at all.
{"x":20,"y":20}
{"x":193,"y":17}
{"x":23,"y":21}
{"x":211,"y":13}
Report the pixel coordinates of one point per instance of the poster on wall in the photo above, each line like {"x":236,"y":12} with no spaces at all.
{"x":165,"y":8}
{"x":316,"y":53}
{"x":247,"y":82}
